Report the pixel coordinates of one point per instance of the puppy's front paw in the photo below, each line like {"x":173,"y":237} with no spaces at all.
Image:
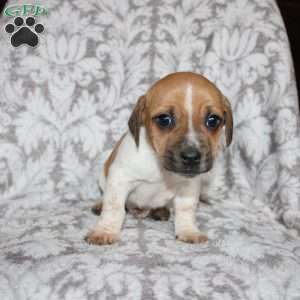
{"x":101,"y":237}
{"x":193,"y":237}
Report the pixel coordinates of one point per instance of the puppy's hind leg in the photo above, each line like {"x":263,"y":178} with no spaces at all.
{"x":160,"y":214}
{"x":162,"y":211}
{"x":97,"y":208}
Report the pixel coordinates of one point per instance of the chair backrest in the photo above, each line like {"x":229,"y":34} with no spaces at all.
{"x":67,"y":100}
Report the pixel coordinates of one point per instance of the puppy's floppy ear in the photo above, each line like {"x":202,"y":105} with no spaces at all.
{"x":228,"y":121}
{"x":136,"y":119}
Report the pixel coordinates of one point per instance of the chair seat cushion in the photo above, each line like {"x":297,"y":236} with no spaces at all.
{"x":249,"y":255}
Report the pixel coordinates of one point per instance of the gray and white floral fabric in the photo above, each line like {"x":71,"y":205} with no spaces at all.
{"x":64,"y":103}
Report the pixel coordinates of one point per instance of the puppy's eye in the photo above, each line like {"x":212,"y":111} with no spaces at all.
{"x":165,"y":121}
{"x":213,"y":122}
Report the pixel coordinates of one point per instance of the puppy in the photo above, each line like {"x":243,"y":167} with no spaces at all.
{"x":173,"y":139}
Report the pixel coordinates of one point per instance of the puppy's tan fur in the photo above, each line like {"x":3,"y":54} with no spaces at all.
{"x":112,"y":156}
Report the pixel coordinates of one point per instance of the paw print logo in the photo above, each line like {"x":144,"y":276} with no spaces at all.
{"x":24,"y":33}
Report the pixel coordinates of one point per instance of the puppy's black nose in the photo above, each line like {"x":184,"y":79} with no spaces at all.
{"x":190,"y":156}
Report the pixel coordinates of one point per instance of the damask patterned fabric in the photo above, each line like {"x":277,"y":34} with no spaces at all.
{"x":66,"y":102}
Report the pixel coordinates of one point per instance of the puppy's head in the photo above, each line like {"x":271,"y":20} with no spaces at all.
{"x":183,"y":114}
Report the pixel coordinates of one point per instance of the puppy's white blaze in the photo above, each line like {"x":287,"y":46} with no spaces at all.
{"x":191,"y":135}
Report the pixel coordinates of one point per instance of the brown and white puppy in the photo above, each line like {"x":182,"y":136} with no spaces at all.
{"x":173,"y":139}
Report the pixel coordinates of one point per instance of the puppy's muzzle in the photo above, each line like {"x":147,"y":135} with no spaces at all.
{"x":188,"y":160}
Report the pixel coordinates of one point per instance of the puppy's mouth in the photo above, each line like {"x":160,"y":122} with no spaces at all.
{"x":174,"y":166}
{"x":190,"y":173}
{"x":183,"y":172}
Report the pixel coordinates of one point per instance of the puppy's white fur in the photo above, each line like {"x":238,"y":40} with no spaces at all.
{"x":191,"y":136}
{"x":136,"y":176}
{"x":135,"y":172}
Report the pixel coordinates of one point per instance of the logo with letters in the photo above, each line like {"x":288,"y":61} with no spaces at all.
{"x":24,"y":29}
